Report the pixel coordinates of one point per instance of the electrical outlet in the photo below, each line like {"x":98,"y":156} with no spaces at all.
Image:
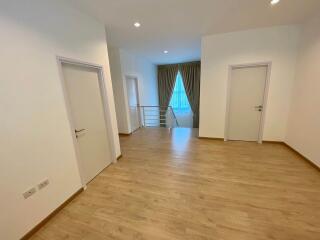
{"x":29,"y":193}
{"x":43,"y":184}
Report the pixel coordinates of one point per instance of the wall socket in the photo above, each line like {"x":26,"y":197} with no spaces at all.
{"x":29,"y":193}
{"x":33,"y":190}
{"x":43,"y":184}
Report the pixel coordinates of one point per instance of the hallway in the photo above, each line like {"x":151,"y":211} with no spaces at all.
{"x":172,"y":185}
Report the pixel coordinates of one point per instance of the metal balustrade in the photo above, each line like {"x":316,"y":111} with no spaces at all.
{"x":158,"y":116}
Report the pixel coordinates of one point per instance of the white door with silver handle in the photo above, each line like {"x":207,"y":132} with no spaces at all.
{"x":84,"y":95}
{"x":133,"y":103}
{"x":247,"y":89}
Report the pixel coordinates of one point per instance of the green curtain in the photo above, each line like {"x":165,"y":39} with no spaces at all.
{"x":191,"y":79}
{"x":166,"y":80}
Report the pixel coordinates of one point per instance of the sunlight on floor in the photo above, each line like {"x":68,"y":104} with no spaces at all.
{"x":181,"y":139}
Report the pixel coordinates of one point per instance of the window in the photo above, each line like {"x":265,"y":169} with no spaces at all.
{"x":179,"y":100}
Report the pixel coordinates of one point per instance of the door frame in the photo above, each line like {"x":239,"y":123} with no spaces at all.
{"x":105,"y":103}
{"x":127,"y":77}
{"x":265,"y":96}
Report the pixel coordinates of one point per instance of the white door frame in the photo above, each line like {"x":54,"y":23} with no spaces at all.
{"x":265,"y":96}
{"x":127,"y":77}
{"x":105,"y":103}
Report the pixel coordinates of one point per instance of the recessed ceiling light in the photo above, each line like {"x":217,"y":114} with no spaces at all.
{"x":165,"y":51}
{"x":274,"y":2}
{"x":137,"y":24}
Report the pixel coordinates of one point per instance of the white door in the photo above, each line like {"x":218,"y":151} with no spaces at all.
{"x":247,"y":89}
{"x":87,"y":112}
{"x":133,"y":101}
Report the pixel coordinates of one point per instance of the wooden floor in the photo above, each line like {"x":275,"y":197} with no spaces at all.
{"x":172,"y":185}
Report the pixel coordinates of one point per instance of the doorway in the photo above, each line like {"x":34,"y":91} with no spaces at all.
{"x":89,"y":117}
{"x":246,"y":102}
{"x":133,"y":103}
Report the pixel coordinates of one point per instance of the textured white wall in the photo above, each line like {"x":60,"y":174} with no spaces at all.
{"x":278,"y":45}
{"x":35,"y":136}
{"x":304,"y":119}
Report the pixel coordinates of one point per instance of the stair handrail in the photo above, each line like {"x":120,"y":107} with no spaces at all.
{"x":160,"y":109}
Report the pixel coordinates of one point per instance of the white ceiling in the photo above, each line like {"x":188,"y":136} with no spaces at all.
{"x":177,"y":25}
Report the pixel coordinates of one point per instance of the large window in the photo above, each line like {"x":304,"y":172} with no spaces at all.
{"x":179,"y":100}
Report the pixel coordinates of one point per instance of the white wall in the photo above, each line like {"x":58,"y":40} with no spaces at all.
{"x":35,"y":136}
{"x":278,"y":45}
{"x":118,"y":90}
{"x":123,"y":64}
{"x":304,"y":119}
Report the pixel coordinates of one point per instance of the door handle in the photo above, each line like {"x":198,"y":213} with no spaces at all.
{"x":79,"y":131}
{"x":259,"y":108}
